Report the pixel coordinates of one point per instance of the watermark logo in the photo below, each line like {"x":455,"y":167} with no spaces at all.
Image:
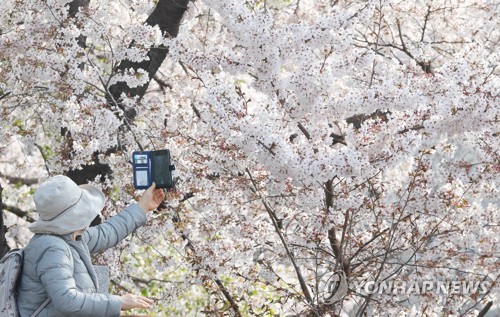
{"x":439,"y":287}
{"x":333,"y":287}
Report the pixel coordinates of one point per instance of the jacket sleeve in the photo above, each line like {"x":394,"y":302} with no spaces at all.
{"x":108,"y":234}
{"x":55,"y":270}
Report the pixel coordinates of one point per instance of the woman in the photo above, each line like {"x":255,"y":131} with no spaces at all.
{"x":57,"y":261}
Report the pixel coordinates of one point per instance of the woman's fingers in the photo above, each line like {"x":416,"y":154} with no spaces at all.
{"x":144,"y":300}
{"x":151,"y":198}
{"x":130,"y":301}
{"x":159,"y":196}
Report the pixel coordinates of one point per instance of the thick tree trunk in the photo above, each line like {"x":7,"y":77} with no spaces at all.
{"x":4,"y":247}
{"x":74,"y":7}
{"x":167,"y":16}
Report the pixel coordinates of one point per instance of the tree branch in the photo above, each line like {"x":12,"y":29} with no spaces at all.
{"x":268,"y":148}
{"x":167,"y":15}
{"x":225,"y":292}
{"x":162,"y":83}
{"x":44,"y":156}
{"x":228,"y":297}
{"x":379,"y":24}
{"x":332,"y":236}
{"x":19,"y":212}
{"x":425,"y":22}
{"x":273,"y":217}
{"x":304,"y":131}
{"x":5,"y":95}
{"x":20,"y":180}
{"x":402,"y":41}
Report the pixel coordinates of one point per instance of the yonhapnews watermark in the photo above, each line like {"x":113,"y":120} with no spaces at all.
{"x":448,"y":287}
{"x":334,"y":286}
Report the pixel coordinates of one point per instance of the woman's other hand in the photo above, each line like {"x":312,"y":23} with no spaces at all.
{"x":130,"y":301}
{"x":151,"y":198}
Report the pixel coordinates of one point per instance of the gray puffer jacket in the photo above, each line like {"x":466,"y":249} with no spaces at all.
{"x":60,"y":268}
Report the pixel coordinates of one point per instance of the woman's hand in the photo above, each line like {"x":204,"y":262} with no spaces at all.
{"x":130,"y":301}
{"x":151,"y":198}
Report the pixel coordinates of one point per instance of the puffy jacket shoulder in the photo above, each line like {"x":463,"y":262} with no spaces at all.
{"x":40,"y":243}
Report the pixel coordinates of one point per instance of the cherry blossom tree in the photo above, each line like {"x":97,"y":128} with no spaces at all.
{"x":310,"y":138}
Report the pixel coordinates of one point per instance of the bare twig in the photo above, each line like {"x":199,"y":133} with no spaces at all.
{"x":196,"y":111}
{"x":228,"y":297}
{"x":396,"y":221}
{"x":380,"y":17}
{"x":367,"y":243}
{"x":268,"y":148}
{"x":404,"y":49}
{"x":191,"y":247}
{"x":162,"y":83}
{"x":484,"y":82}
{"x":425,"y":22}
{"x":324,"y":60}
{"x":52,"y":12}
{"x":45,"y":158}
{"x":5,"y":95}
{"x":304,"y":131}
{"x":273,"y":217}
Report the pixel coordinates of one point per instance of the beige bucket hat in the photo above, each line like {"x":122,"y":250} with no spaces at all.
{"x":65,"y":207}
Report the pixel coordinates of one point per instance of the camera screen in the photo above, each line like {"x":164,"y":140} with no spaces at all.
{"x":161,"y":163}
